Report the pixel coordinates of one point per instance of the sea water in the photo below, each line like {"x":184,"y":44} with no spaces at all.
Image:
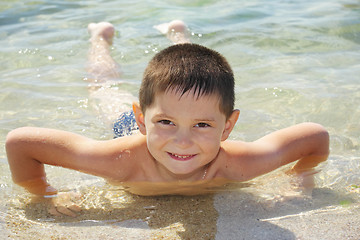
{"x":294,"y":61}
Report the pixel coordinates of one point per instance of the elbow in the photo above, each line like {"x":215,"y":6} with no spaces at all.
{"x":11,"y":139}
{"x":14,"y":137}
{"x":322,"y":140}
{"x":12,"y":147}
{"x":18,"y":150}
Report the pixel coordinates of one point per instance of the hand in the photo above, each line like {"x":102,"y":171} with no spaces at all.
{"x":64,"y":203}
{"x":303,"y":182}
{"x":296,"y":190}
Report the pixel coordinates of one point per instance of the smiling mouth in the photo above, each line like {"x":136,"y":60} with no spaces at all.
{"x":181,"y":157}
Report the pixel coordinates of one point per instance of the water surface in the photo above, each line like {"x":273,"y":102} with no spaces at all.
{"x":294,"y":61}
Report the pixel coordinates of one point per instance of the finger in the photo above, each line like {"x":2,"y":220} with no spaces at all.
{"x":66,"y":211}
{"x":52,"y":210}
{"x":75,"y":208}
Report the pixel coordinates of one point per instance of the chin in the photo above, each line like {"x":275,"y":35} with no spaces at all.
{"x":183,"y":173}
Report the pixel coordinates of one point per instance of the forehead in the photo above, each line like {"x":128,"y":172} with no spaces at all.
{"x":193,"y":96}
{"x":190,"y":103}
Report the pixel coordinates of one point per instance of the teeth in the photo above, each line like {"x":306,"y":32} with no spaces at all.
{"x":181,"y":156}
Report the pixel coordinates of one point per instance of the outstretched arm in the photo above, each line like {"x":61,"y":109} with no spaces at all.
{"x":306,"y":142}
{"x":28,"y":149}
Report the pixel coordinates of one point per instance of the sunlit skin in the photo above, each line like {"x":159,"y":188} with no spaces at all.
{"x":182,"y":147}
{"x":184,"y":133}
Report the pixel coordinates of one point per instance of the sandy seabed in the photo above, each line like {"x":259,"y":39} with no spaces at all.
{"x":109,"y":214}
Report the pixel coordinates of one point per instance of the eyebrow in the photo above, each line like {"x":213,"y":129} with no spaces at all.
{"x":162,"y":115}
{"x":205,"y":120}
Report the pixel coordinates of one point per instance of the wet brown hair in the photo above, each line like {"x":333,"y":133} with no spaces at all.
{"x":185,"y":67}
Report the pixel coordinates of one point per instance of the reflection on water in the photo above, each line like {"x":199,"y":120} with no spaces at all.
{"x":180,"y":187}
{"x":293,"y":62}
{"x":115,"y":213}
{"x":170,"y":217}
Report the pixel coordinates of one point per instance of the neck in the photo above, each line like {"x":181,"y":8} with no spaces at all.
{"x":167,"y":176}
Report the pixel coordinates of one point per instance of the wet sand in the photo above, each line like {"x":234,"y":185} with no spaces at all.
{"x":242,"y":214}
{"x":294,"y":219}
{"x":130,"y":217}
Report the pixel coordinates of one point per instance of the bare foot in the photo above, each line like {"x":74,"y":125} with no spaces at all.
{"x":176,"y":31}
{"x":101,"y":31}
{"x":101,"y":66}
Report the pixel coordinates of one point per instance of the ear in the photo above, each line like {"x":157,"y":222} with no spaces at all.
{"x":139,"y":117}
{"x":230,"y":123}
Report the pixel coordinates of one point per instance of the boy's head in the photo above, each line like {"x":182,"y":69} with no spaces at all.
{"x":186,"y":67}
{"x":187,"y":101}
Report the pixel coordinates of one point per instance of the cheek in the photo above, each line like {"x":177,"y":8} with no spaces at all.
{"x":210,"y":141}
{"x":153,"y":147}
{"x":209,"y":135}
{"x":158,"y":134}
{"x":156,"y":140}
{"x":210,"y":149}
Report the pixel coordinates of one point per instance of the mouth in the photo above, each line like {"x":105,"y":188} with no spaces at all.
{"x":180,"y":157}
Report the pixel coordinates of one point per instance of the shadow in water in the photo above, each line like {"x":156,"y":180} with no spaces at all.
{"x":188,"y":217}
{"x":244,"y":216}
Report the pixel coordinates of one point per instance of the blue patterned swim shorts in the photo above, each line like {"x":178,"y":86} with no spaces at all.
{"x":125,"y":125}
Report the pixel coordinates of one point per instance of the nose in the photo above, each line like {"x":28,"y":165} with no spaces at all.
{"x":183,"y":138}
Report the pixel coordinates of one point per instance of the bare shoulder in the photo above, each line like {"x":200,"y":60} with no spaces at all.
{"x":245,"y":160}
{"x":117,"y":159}
{"x":234,"y":160}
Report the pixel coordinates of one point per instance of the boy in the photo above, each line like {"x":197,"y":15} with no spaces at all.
{"x":185,"y":116}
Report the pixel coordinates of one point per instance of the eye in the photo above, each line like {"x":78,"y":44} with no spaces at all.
{"x":166,"y":122}
{"x":202,"y":125}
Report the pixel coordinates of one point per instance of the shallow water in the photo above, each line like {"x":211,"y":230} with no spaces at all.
{"x":294,"y":61}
